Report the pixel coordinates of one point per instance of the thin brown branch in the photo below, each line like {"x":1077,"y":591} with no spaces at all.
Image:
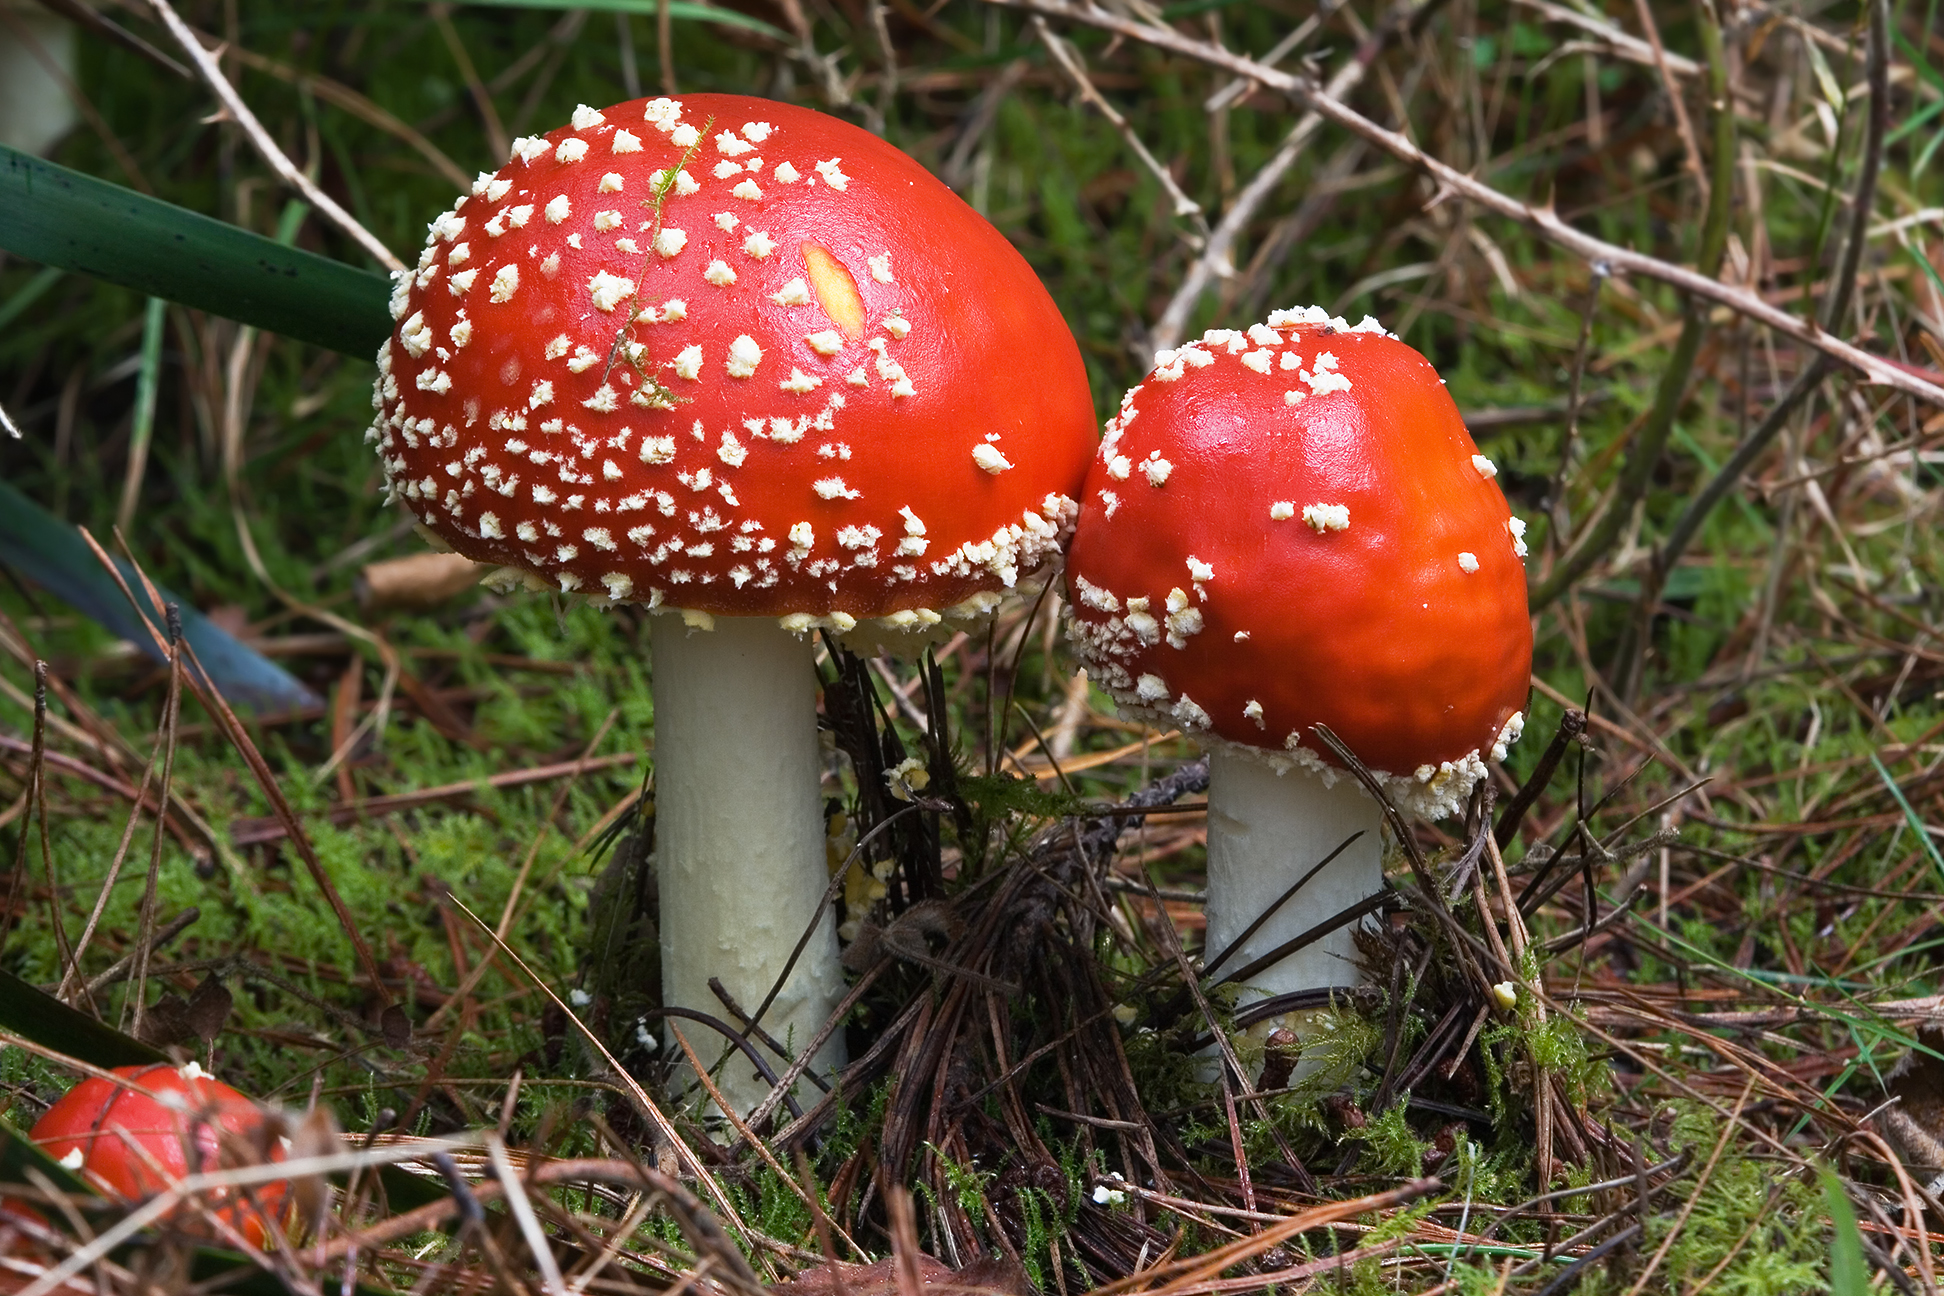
{"x":1216,"y":259}
{"x":1688,"y":525}
{"x":278,"y":160}
{"x":343,"y":96}
{"x":1690,"y":146}
{"x":496,"y":137}
{"x":261,"y":831}
{"x":1184,"y":206}
{"x":212,"y":700}
{"x":643,"y":1103}
{"x":1543,"y":221}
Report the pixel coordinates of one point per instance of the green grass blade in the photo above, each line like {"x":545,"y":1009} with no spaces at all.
{"x":1847,"y":1276}
{"x":679,"y":10}
{"x":1916,"y":122}
{"x":52,"y":554}
{"x":1917,"y":60}
{"x":143,"y":423}
{"x":1910,"y":815}
{"x":1923,"y":159}
{"x":27,"y":296}
{"x":1868,"y":1022}
{"x":75,"y":222}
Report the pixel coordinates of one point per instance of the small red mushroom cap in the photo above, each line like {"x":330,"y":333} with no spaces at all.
{"x":1291,"y":526}
{"x":738,"y":357}
{"x":132,"y":1145}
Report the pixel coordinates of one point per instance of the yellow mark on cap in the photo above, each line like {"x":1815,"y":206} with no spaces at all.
{"x":836,"y":290}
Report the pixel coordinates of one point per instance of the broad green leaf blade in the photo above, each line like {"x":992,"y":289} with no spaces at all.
{"x":679,"y":10}
{"x":17,"y":1152}
{"x":28,"y":1012}
{"x":52,"y":554}
{"x":62,"y":218}
{"x":32,"y":1014}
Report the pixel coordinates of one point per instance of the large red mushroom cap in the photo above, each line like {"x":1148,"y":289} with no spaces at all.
{"x":134,"y":1144}
{"x":1291,"y":526}
{"x":738,"y":357}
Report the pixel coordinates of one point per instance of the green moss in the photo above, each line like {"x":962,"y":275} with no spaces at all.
{"x":1390,"y":1145}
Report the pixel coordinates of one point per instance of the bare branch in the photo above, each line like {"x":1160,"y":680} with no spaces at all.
{"x":1215,"y":260}
{"x":1644,"y":451}
{"x":1622,"y":44}
{"x":1184,"y":206}
{"x":1842,"y":284}
{"x":1282,"y":49}
{"x":279,"y":162}
{"x":1689,"y":145}
{"x":1543,"y":221}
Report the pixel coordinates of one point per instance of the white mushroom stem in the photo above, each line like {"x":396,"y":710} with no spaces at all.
{"x":1265,"y":831}
{"x":739,"y":837}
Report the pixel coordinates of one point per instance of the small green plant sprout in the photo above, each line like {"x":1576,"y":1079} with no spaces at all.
{"x":626,"y":346}
{"x":1391,"y":1146}
{"x":968,"y":1184}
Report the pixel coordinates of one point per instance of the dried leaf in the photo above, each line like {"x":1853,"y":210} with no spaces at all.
{"x":315,"y":1135}
{"x":208,"y":1008}
{"x":417,"y":582}
{"x":396,"y":1026}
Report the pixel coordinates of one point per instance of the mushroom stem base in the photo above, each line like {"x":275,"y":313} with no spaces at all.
{"x":740,"y":837}
{"x":1266,"y":830}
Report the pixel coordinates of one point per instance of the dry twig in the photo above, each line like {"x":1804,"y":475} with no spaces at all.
{"x":1543,"y":221}
{"x":212,"y":75}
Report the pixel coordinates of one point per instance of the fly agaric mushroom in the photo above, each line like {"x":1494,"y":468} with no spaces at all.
{"x":1286,"y":527}
{"x":745,"y":362}
{"x":133,"y":1140}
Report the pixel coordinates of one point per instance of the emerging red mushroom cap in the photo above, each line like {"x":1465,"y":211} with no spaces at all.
{"x":132,"y":1145}
{"x":738,"y":357}
{"x":1291,"y":526}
